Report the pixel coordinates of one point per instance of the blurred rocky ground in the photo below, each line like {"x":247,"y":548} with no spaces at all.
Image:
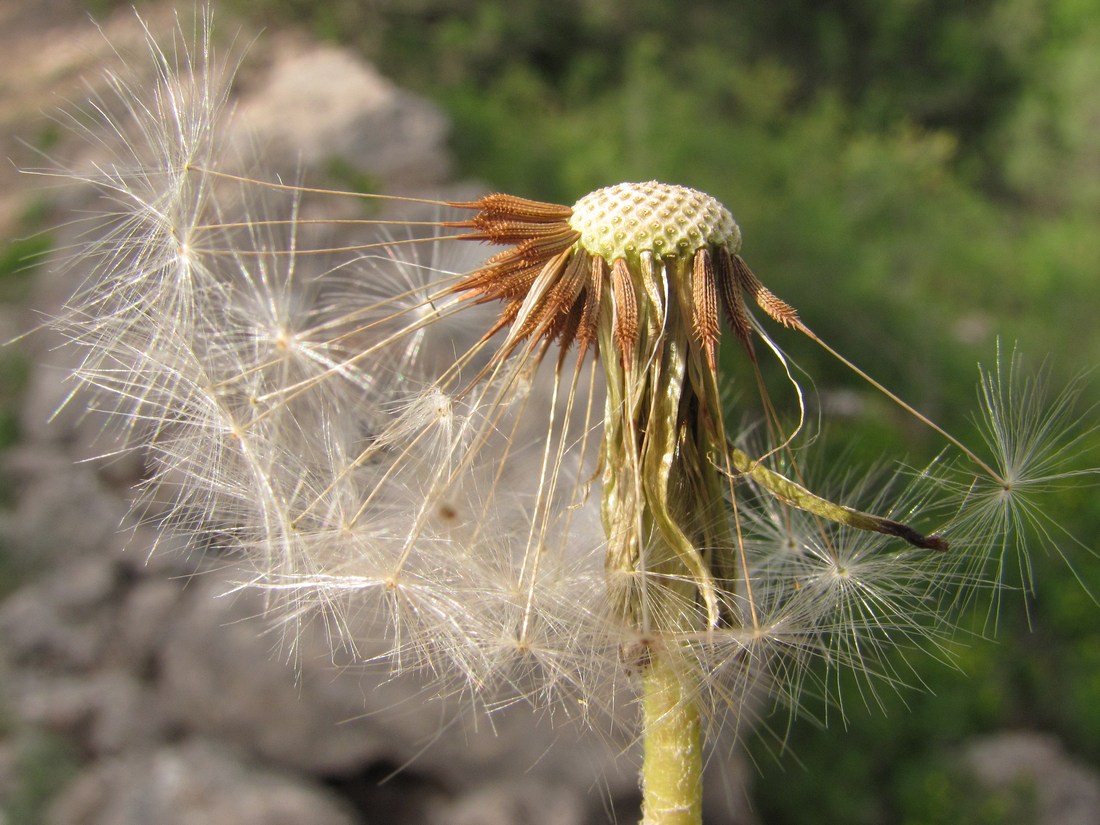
{"x":134,"y":688}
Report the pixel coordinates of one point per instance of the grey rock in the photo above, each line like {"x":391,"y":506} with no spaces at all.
{"x":1061,"y":790}
{"x":58,"y":622}
{"x":45,"y":414}
{"x":146,"y":551}
{"x":101,"y":713}
{"x":56,"y":411}
{"x":519,"y":742}
{"x":125,"y":714}
{"x":343,"y":110}
{"x":144,"y":617}
{"x":197,"y":783}
{"x":523,"y":802}
{"x":63,"y":510}
{"x":222,"y":676}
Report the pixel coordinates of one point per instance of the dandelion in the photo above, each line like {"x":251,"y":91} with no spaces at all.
{"x":1043,"y":446}
{"x":517,"y":469}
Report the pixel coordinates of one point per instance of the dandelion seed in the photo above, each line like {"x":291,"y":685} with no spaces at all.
{"x":1042,"y":446}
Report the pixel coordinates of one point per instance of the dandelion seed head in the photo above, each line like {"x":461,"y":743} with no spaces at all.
{"x":515,"y":470}
{"x":627,"y":219}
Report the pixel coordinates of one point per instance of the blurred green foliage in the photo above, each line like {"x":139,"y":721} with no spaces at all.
{"x":18,"y":259}
{"x":44,"y":763}
{"x":918,"y":178}
{"x":930,"y":160}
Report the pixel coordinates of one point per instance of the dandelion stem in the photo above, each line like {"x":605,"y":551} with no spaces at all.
{"x":672,"y":767}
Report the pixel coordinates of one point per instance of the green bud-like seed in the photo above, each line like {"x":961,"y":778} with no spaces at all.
{"x":627,"y":219}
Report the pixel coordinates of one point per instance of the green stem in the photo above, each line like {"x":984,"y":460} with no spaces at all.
{"x":672,"y":767}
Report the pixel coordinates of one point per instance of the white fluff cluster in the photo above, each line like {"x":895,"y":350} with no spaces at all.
{"x":313,"y":398}
{"x":326,"y":415}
